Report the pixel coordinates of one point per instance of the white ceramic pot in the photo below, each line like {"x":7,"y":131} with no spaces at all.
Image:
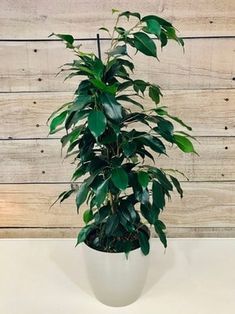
{"x":116,"y":280}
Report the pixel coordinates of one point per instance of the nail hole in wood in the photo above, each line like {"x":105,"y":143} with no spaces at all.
{"x":34,"y":102}
{"x":43,"y":172}
{"x":39,"y":79}
{"x":10,"y":137}
{"x":42,"y":151}
{"x":233,"y":78}
{"x":37,"y":125}
{"x":225,"y":127}
{"x":35,"y":50}
{"x":222,"y":174}
{"x":226,"y":147}
{"x":211,"y":22}
{"x":226,"y":99}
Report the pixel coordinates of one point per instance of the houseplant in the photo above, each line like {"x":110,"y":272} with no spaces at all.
{"x":124,"y":193}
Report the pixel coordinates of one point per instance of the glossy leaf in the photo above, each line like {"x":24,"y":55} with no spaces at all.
{"x":112,"y":108}
{"x":87,"y":216}
{"x":101,"y":193}
{"x":144,"y":242}
{"x":158,"y":195}
{"x":177,"y":185}
{"x":184,"y":143}
{"x":159,"y":228}
{"x":97,"y":123}
{"x":58,"y":120}
{"x":143,"y":179}
{"x":82,"y":194}
{"x":119,"y":178}
{"x":154,"y":93}
{"x":145,"y":44}
{"x":153,"y":27}
{"x":127,"y":14}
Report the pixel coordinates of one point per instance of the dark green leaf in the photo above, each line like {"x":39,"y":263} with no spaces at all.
{"x":177,"y":185}
{"x":119,"y":178}
{"x":158,"y":195}
{"x":140,"y":85}
{"x":65,"y":37}
{"x":81,"y":101}
{"x":163,"y":39}
{"x":82,"y":194}
{"x":154,"y":93}
{"x":160,"y":20}
{"x":159,"y":228}
{"x":143,"y":179}
{"x":154,"y":143}
{"x":180,"y":122}
{"x":129,"y":148}
{"x":101,"y":193}
{"x":87,"y":216}
{"x":97,"y":123}
{"x":162,"y":179}
{"x":82,"y":235}
{"x":144,"y":242}
{"x":145,"y":44}
{"x":111,"y":224}
{"x":112,"y":108}
{"x":58,"y":120}
{"x":147,"y":213}
{"x":127,"y":14}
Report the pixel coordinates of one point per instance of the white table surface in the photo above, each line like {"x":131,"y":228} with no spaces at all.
{"x":47,"y":276}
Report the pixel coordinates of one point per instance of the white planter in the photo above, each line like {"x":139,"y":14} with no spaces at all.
{"x":115,"y":280}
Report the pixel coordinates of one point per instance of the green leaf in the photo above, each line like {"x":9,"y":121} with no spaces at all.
{"x":87,"y":216}
{"x":81,"y":101}
{"x":158,"y":195}
{"x":127,"y":14}
{"x":147,"y":212}
{"x":144,"y":242}
{"x":118,"y":50}
{"x":162,"y":179}
{"x":111,"y":224}
{"x":154,"y":143}
{"x":129,"y":148}
{"x":159,"y":228}
{"x":101,"y":193}
{"x":119,"y":178}
{"x":140,"y":85}
{"x":82,"y":235}
{"x":103,"y":87}
{"x":145,"y":44}
{"x":65,"y":37}
{"x":154,"y":93}
{"x":97,"y":123}
{"x":153,"y":27}
{"x":184,"y":143}
{"x":143,"y":179}
{"x":180,"y":122}
{"x":112,"y":108}
{"x":163,"y":39}
{"x":71,"y":137}
{"x":160,"y":20}
{"x":177,"y":185}
{"x":82,"y":194}
{"x":58,"y":120}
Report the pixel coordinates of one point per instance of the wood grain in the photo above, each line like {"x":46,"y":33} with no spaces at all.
{"x":40,"y":161}
{"x":23,"y":69}
{"x":37,"y":19}
{"x":207,"y":232}
{"x":31,"y":111}
{"x":27,"y":205}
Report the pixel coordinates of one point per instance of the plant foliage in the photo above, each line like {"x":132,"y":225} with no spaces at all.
{"x":123,"y":192}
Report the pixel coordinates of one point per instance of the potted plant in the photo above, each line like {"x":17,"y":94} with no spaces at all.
{"x":124,"y":189}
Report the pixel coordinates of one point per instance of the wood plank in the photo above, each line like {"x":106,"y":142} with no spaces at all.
{"x":205,"y":205}
{"x":31,"y":111}
{"x":72,"y":233}
{"x":37,"y":19}
{"x":23,"y":69}
{"x":40,"y":161}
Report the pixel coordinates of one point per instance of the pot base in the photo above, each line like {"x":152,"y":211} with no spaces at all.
{"x":116,"y":280}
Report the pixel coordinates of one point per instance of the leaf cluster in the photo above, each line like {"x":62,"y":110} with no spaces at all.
{"x":120,"y":187}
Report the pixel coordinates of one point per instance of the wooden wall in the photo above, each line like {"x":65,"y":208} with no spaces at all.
{"x":198,"y":86}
